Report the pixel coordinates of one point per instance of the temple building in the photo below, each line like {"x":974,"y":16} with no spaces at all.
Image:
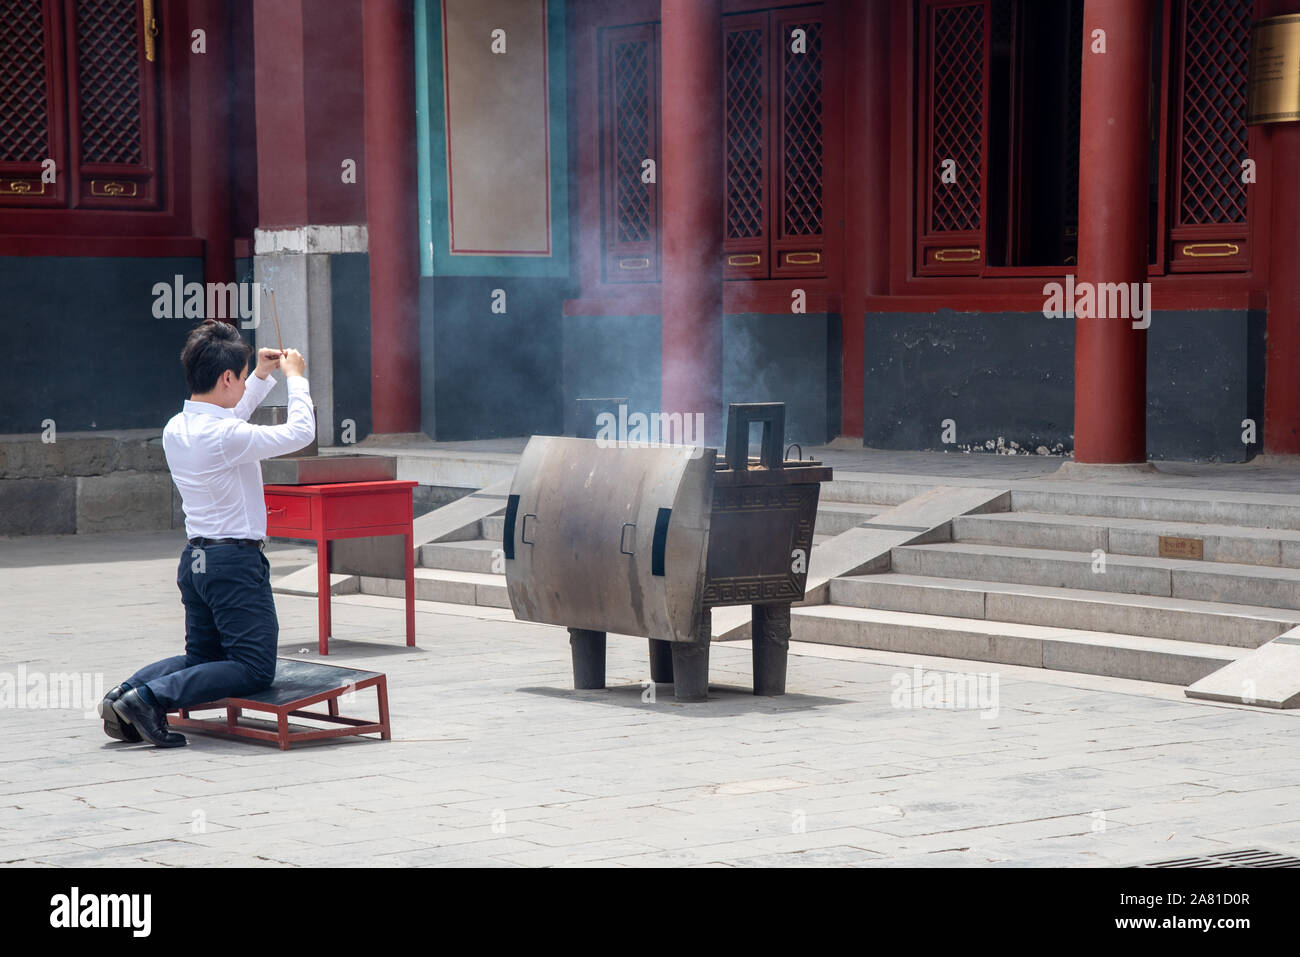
{"x":972,"y":225}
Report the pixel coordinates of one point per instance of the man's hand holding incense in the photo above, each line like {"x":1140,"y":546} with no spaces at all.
{"x":268,"y":360}
{"x":293,"y":363}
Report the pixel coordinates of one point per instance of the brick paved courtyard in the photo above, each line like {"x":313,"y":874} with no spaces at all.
{"x":496,"y":761}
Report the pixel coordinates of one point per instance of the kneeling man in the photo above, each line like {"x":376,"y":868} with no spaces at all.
{"x":213,"y":453}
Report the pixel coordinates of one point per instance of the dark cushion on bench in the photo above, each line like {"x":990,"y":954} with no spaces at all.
{"x":296,"y":679}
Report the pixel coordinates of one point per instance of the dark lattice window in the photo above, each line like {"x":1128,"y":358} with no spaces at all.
{"x":802,"y":136}
{"x":1209,"y":202}
{"x":32,"y":125}
{"x":958,"y":111}
{"x":630,"y":128}
{"x":746,"y":119}
{"x":23,"y":65}
{"x":108,"y":82}
{"x":78,"y":72}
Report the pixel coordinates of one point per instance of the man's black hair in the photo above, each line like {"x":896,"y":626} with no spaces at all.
{"x":212,"y":348}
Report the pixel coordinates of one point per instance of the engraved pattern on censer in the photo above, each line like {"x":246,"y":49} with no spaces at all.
{"x":778,"y":502}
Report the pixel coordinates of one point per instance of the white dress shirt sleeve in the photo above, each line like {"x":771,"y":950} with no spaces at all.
{"x":255,"y":390}
{"x":252,"y":443}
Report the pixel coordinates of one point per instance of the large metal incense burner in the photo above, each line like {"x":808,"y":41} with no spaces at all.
{"x":647,"y":541}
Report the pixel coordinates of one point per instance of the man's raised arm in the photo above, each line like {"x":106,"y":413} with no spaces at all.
{"x":259,"y":383}
{"x":252,"y":443}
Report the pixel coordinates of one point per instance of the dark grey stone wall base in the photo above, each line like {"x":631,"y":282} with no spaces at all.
{"x":118,"y":364}
{"x":488,"y":374}
{"x":1005,"y":378}
{"x":38,"y":506}
{"x":27,"y":456}
{"x":86,"y":483}
{"x":124,"y":502}
{"x":766,"y":358}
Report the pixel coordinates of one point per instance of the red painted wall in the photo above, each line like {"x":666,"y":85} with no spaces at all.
{"x":335,"y":101}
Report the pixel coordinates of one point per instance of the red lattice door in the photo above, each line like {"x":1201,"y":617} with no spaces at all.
{"x":113,"y":98}
{"x":1208,"y":230}
{"x":774,"y":144}
{"x":630,"y":137}
{"x":952,"y":136}
{"x":80,"y":85}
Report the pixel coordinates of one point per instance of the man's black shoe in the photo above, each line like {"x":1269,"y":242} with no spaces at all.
{"x":150,"y":721}
{"x":114,"y":726}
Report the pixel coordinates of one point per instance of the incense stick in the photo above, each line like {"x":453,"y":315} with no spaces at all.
{"x":275,"y":314}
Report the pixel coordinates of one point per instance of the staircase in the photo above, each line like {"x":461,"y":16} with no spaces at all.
{"x":1074,"y":582}
{"x":1069,"y":579}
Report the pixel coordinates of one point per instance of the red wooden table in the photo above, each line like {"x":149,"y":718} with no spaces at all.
{"x":344,"y":510}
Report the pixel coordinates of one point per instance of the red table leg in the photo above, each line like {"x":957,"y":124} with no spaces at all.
{"x":409,"y":542}
{"x":323,"y":594}
{"x":381,"y":689}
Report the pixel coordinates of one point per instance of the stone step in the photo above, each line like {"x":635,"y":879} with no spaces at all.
{"x":1249,"y":509}
{"x":1217,"y":623}
{"x":1059,"y":649}
{"x":303,"y":582}
{"x":471,"y":556}
{"x":436,"y":584}
{"x":870,"y":488}
{"x":1125,"y":574}
{"x":1130,"y":536}
{"x":836,"y":517}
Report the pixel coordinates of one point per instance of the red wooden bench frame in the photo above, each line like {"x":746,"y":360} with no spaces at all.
{"x":284,"y":736}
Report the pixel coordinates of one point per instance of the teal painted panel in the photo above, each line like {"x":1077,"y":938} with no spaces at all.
{"x":436,"y":258}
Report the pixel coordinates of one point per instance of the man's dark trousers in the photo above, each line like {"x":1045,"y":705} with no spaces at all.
{"x":231,"y":631}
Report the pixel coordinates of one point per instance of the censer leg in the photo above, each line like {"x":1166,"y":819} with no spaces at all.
{"x":770,"y":634}
{"x":588,"y":658}
{"x":691,"y":661}
{"x":661,"y":661}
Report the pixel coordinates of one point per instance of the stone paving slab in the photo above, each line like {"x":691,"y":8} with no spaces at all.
{"x":495,"y":761}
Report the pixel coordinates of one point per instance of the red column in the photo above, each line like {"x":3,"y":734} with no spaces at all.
{"x":866,"y":178}
{"x":389,"y":81}
{"x":1281,"y":380}
{"x":210,"y":140}
{"x":1282,"y":366}
{"x":281,"y":118}
{"x":690,"y":182}
{"x":1109,"y":354}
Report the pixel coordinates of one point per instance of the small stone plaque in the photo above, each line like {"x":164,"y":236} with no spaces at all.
{"x":1172,"y":546}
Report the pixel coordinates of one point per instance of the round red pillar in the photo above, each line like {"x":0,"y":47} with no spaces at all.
{"x":388,"y":72}
{"x":690,"y":182}
{"x":1281,"y":381}
{"x":866,"y":168}
{"x":210,"y":140}
{"x":1110,"y":376}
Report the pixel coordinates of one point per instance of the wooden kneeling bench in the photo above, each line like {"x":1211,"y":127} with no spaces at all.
{"x":298,"y":684}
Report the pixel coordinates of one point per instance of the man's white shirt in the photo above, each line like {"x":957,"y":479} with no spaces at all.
{"x":214,"y":457}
